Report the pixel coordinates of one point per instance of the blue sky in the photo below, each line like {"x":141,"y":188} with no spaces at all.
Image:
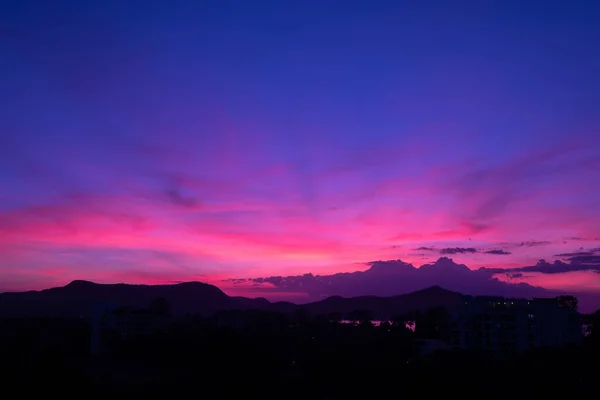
{"x":224,"y":139}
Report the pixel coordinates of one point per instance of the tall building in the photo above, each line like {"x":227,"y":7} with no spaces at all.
{"x":514,"y":325}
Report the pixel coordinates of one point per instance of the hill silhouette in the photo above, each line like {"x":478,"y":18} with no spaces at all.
{"x":81,"y":298}
{"x":380,"y":289}
{"x":385,"y":307}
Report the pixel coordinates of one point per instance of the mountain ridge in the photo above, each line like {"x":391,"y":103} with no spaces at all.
{"x":80,"y":298}
{"x":443,"y":279}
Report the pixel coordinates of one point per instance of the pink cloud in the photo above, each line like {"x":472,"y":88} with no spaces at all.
{"x":578,"y":281}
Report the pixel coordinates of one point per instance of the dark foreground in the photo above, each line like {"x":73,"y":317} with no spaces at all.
{"x":320,"y":360}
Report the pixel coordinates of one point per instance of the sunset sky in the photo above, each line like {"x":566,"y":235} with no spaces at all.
{"x":156,"y":141}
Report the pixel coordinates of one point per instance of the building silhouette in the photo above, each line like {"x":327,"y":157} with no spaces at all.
{"x":514,"y":325}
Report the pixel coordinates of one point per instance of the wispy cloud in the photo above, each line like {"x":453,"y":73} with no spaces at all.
{"x":534,"y":243}
{"x":498,"y":252}
{"x":462,"y":250}
{"x":556,"y":267}
{"x":423,"y":248}
{"x":458,"y":250}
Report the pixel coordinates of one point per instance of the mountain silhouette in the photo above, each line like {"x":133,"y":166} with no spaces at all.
{"x":384,"y":307}
{"x":80,"y":299}
{"x":380,"y":289}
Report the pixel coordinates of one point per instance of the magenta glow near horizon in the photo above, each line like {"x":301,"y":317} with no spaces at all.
{"x":217,"y":140}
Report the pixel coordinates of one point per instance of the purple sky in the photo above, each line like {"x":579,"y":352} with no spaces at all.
{"x":208,"y":140}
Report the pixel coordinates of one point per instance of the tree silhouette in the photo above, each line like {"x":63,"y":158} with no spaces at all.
{"x":593,"y":328}
{"x":568,"y":302}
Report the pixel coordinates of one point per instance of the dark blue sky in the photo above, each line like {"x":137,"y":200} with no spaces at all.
{"x":154,"y":140}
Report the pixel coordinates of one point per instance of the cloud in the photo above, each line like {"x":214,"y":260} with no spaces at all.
{"x":586,"y":260}
{"x":557,"y":267}
{"x":458,"y":250}
{"x":426,"y":249}
{"x":177,"y":197}
{"x":392,"y":277}
{"x":498,"y":252}
{"x":576,"y":254}
{"x":461,"y":250}
{"x":582,"y":258}
{"x":514,"y":275}
{"x":534,"y":243}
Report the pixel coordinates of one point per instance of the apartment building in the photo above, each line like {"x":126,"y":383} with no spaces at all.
{"x":514,"y":325}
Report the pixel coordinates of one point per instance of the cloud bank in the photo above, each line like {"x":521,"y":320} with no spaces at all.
{"x":388,"y":278}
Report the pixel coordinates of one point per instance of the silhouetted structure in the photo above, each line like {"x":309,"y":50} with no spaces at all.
{"x":514,"y":325}
{"x":233,"y":353}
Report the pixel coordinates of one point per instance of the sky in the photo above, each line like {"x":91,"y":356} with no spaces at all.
{"x":157,"y":142}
